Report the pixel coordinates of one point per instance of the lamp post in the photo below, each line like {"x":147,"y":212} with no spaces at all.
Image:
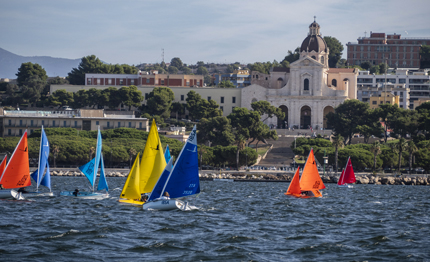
{"x":325,"y":162}
{"x":246,"y":160}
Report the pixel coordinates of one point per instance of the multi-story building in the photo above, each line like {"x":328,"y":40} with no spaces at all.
{"x":14,"y":123}
{"x":394,"y":50}
{"x":383,"y":97}
{"x":410,"y":85}
{"x":240,"y":78}
{"x":152,"y":78}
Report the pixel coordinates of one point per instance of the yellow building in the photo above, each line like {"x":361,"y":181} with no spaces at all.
{"x":383,"y":98}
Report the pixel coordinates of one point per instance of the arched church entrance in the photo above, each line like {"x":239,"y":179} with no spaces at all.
{"x":283,"y":123}
{"x":327,"y":110}
{"x":305,"y":117}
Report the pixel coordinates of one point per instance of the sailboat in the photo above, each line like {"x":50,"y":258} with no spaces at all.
{"x":90,"y":171}
{"x":181,"y":180}
{"x":167,"y":155}
{"x":310,"y":182}
{"x":144,"y":174}
{"x":347,"y":176}
{"x":16,"y":173}
{"x":43,"y":164}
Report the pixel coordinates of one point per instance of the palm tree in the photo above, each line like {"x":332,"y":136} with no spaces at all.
{"x":375,"y":148}
{"x":412,"y":149}
{"x":55,"y":151}
{"x":393,"y":148}
{"x":132,"y":152}
{"x":337,"y":142}
{"x":401,"y":146}
{"x":92,"y":150}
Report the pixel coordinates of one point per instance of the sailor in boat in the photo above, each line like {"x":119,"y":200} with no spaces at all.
{"x":22,"y":190}
{"x":165,"y":196}
{"x":1,"y":187}
{"x":144,"y":198}
{"x":76,"y":192}
{"x":309,"y":193}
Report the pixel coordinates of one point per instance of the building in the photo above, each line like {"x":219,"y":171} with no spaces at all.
{"x":383,"y":97}
{"x":410,"y":85}
{"x":152,"y":78}
{"x":308,"y":90}
{"x":226,"y":98}
{"x":240,"y":78}
{"x":394,"y":50}
{"x":14,"y":123}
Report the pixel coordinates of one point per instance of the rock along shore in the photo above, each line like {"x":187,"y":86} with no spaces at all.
{"x":279,"y":177}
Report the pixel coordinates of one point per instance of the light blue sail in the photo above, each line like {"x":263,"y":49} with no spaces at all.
{"x":98,"y":155}
{"x":158,"y":189}
{"x":88,"y":170}
{"x":183,"y":180}
{"x":43,"y":163}
{"x":102,"y":180}
{"x":167,"y":155}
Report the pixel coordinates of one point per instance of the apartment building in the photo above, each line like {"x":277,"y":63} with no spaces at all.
{"x":412,"y":86}
{"x":15,"y":122}
{"x":396,"y":51}
{"x":152,"y":78}
{"x":240,"y":78}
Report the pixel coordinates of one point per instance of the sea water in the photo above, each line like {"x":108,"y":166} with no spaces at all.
{"x":233,"y":221}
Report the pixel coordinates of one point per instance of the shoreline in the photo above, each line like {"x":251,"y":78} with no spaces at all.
{"x":242,"y":176}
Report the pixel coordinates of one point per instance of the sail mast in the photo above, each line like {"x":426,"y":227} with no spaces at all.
{"x":96,"y":166}
{"x":38,"y":166}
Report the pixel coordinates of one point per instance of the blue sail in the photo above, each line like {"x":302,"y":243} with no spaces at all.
{"x":88,"y":170}
{"x":98,"y":155}
{"x":184,"y":177}
{"x":102,"y":180}
{"x":158,"y":188}
{"x":43,"y":162}
{"x":46,"y":181}
{"x":167,"y":155}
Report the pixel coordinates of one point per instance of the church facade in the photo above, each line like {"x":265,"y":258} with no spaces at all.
{"x":308,"y":90}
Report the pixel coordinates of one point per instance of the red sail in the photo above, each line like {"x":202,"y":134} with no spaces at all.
{"x":17,"y":171}
{"x":341,"y":178}
{"x":349,"y":177}
{"x":294,"y":188}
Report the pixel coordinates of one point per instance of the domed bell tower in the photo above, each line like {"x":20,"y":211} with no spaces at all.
{"x":314,"y":45}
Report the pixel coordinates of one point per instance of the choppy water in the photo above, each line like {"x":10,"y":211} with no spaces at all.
{"x":240,"y":221}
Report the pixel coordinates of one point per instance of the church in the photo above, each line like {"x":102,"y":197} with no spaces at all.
{"x":308,"y":90}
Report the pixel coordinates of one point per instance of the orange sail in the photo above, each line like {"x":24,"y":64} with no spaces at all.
{"x":17,"y":171}
{"x":311,"y":180}
{"x":294,"y":188}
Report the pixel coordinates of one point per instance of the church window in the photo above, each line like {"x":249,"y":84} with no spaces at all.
{"x":314,"y":57}
{"x":306,"y":85}
{"x":322,"y":59}
{"x":334,"y":82}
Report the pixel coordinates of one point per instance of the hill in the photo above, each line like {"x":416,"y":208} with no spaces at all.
{"x":9,"y":64}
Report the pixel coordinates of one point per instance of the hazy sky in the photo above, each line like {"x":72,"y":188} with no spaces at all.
{"x":136,"y":31}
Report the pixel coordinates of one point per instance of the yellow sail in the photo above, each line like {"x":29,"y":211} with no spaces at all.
{"x":153,"y":162}
{"x":131,"y":190}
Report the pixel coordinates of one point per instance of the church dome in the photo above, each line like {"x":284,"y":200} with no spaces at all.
{"x":314,"y":40}
{"x":314,"y":43}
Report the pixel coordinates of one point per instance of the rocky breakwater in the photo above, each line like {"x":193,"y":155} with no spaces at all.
{"x":76,"y":173}
{"x":361,"y":179}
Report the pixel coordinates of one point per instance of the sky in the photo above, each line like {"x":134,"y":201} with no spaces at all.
{"x":223,"y":31}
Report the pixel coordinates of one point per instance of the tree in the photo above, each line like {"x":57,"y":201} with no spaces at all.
{"x":375,"y":148}
{"x":32,"y":89}
{"x":27,"y":70}
{"x":337,"y":142}
{"x":226,"y":84}
{"x":201,"y":70}
{"x":347,"y":117}
{"x":374,"y":69}
{"x":370,"y":125}
{"x":216,"y":131}
{"x":382,"y":68}
{"x":265,"y":108}
{"x":80,"y":99}
{"x":365,"y":65}
{"x":193,"y":99}
{"x":176,"y":62}
{"x":89,"y":64}
{"x":387,"y":113}
{"x":412,"y":149}
{"x":292,"y":56}
{"x":186,"y":70}
{"x":61,"y":98}
{"x":159,"y":101}
{"x":401,"y":146}
{"x":130,"y":96}
{"x":335,"y":50}
{"x":178,"y":108}
{"x":173,"y":69}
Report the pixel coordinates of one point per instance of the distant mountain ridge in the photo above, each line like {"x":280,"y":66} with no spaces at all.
{"x":10,"y":62}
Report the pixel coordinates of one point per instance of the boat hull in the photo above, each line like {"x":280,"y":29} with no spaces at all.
{"x":85,"y":195}
{"x":11,"y":194}
{"x":165,"y":205}
{"x":346,"y":185}
{"x":131,"y":201}
{"x":38,"y":194}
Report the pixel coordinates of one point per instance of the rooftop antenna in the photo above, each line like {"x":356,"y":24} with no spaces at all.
{"x":162,"y":54}
{"x":365,"y":33}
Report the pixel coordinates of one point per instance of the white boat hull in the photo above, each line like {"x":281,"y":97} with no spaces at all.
{"x":165,"y":205}
{"x":346,"y":185}
{"x":85,"y":195}
{"x":10,"y":194}
{"x":38,"y":194}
